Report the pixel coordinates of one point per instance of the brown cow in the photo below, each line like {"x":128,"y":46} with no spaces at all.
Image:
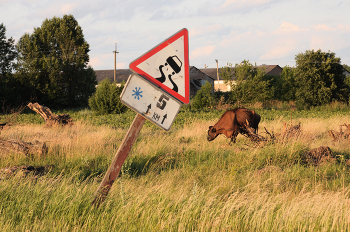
{"x":232,"y":123}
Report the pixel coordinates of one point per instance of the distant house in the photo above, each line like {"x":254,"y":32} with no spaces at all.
{"x":197,"y":77}
{"x":215,"y":74}
{"x":219,"y":84}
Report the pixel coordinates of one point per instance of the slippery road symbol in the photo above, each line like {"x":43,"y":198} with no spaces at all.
{"x":175,"y":64}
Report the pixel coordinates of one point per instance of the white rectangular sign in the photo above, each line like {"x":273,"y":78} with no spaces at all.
{"x":150,"y":101}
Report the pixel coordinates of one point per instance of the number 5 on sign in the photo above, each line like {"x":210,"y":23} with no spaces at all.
{"x":150,"y":101}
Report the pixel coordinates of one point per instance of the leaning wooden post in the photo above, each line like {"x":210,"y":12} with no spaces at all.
{"x":117,"y":163}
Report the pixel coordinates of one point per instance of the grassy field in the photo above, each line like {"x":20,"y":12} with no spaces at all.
{"x":177,"y":180}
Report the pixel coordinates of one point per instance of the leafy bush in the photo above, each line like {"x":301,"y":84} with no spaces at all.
{"x":320,"y":78}
{"x":106,"y":99}
{"x":203,"y":98}
{"x":248,"y":83}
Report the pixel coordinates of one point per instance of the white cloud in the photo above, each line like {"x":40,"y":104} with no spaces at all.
{"x":245,"y":3}
{"x":344,"y":28}
{"x":227,"y":30}
{"x":289,"y":28}
{"x":241,"y":6}
{"x":203,"y":30}
{"x":106,"y":60}
{"x":68,"y":8}
{"x":279,"y":51}
{"x":323,"y":27}
{"x":202,"y":51}
{"x":235,"y":37}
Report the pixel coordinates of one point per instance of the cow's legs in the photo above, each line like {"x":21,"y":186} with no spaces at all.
{"x":233,"y":137}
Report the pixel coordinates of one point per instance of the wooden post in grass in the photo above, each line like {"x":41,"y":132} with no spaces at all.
{"x":149,"y":97}
{"x":117,"y":163}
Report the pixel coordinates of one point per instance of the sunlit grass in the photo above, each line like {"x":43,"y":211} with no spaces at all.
{"x":177,"y":180}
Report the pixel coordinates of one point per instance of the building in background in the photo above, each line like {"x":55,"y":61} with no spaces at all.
{"x":274,"y":70}
{"x":197,"y":77}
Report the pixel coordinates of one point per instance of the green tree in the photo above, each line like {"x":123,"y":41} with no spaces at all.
{"x":106,"y":99}
{"x":347,"y":77}
{"x":285,"y":86}
{"x":9,"y":98}
{"x":248,"y":83}
{"x":347,"y":67}
{"x":52,"y":63}
{"x":203,"y":97}
{"x":7,"y":52}
{"x":320,"y":79}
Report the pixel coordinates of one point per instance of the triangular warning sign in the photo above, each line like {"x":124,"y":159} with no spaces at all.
{"x":167,"y":66}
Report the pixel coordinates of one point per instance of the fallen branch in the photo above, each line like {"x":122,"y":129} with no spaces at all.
{"x":291,"y":131}
{"x":250,"y":133}
{"x":49,"y":117}
{"x":341,"y":135}
{"x":272,"y":136}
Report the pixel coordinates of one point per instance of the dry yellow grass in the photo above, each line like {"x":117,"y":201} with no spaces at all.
{"x":214,"y":187}
{"x":79,"y":139}
{"x":84,"y":139}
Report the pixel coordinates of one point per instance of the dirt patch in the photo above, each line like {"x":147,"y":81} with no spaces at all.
{"x":318,"y":156}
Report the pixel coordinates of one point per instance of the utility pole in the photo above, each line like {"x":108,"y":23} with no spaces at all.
{"x":115,"y":61}
{"x":217,"y":73}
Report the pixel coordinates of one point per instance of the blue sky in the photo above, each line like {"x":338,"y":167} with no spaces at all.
{"x":261,"y":31}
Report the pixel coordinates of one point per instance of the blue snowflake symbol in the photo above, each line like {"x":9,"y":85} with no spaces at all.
{"x":137,"y":93}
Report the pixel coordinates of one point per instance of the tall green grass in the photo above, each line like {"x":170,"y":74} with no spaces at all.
{"x":177,"y":180}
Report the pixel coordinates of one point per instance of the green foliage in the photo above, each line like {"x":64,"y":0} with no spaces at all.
{"x":204,"y":97}
{"x":285,"y":85}
{"x":227,"y":73}
{"x":7,"y":52}
{"x":8,"y":94}
{"x":320,"y":79}
{"x":106,"y":99}
{"x":250,"y":84}
{"x":347,"y":67}
{"x":52,"y":63}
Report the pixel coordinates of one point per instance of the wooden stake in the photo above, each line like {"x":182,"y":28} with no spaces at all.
{"x":117,"y":163}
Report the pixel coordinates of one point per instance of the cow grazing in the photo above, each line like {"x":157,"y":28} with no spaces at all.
{"x":233,"y":122}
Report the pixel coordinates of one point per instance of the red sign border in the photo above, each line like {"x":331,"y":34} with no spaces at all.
{"x":133,"y":65}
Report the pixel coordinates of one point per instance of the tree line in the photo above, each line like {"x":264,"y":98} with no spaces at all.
{"x":48,"y":66}
{"x":318,"y":79}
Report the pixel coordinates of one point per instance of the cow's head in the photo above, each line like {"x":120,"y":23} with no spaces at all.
{"x":212,"y":133}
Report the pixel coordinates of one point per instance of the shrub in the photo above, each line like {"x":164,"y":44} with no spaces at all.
{"x":203,"y":98}
{"x":106,"y":99}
